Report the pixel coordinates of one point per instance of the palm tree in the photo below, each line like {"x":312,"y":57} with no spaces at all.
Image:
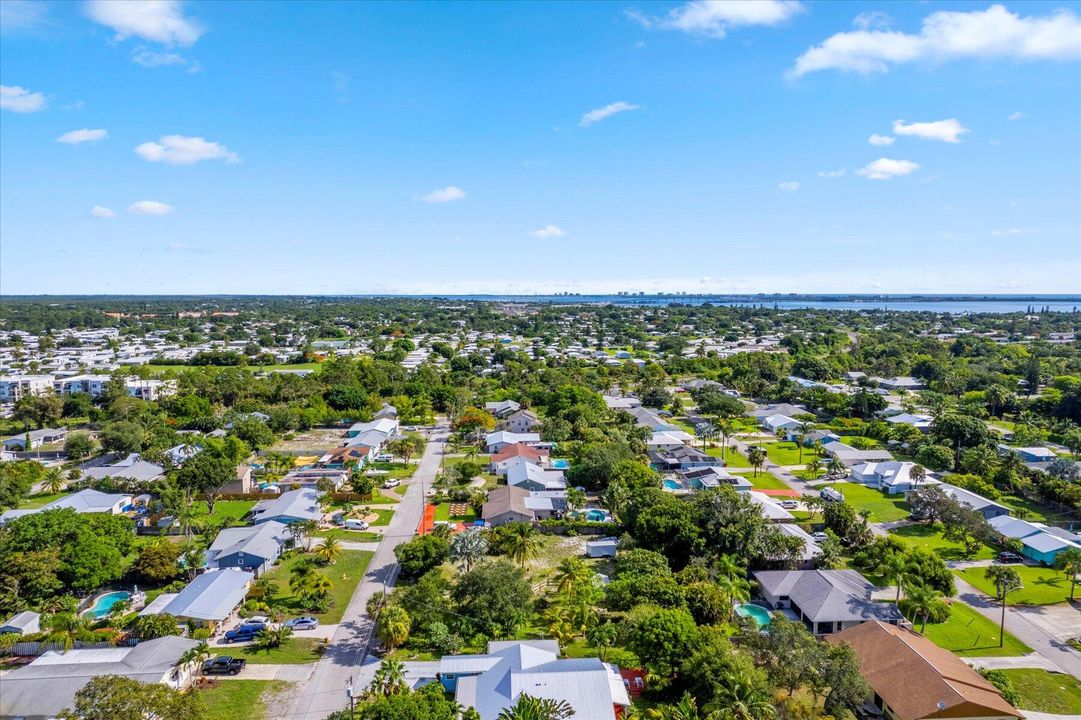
{"x":801,"y":437}
{"x":65,"y":627}
{"x":735,"y":590}
{"x":329,"y":551}
{"x":922,"y":600}
{"x":531,"y":708}
{"x":1069,"y":561}
{"x":468,"y":548}
{"x":813,"y":503}
{"x":389,"y":679}
{"x":309,"y":528}
{"x":685,"y":709}
{"x":54,"y":480}
{"x":317,"y":587}
{"x":195,"y":655}
{"x":724,"y":428}
{"x":268,"y":639}
{"x":836,"y":468}
{"x":918,"y":473}
{"x":814,"y":466}
{"x":743,"y":699}
{"x":729,"y":566}
{"x":570,"y":573}
{"x":1006,"y":580}
{"x":757,"y":458}
{"x":522,"y":542}
{"x":894,"y":567}
{"x":299,"y":576}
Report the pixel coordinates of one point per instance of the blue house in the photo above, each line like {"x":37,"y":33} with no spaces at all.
{"x":253,"y":548}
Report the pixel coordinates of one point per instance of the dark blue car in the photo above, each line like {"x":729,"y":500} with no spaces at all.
{"x":244,"y":633}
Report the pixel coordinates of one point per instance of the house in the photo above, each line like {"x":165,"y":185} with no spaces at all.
{"x":811,"y":549}
{"x":651,"y":419}
{"x":893,"y":477}
{"x":15,"y":387}
{"x":850,"y":456}
{"x":347,"y":455}
{"x":614,"y":402}
{"x":500,"y":460}
{"x":602,"y":547}
{"x":371,"y":439}
{"x":521,"y":421}
{"x":132,"y":467}
{"x":920,"y":422}
{"x":508,"y":503}
{"x":813,"y":437}
{"x":773,"y":423}
{"x":386,"y":425}
{"x":785,"y":409}
{"x":988,"y":508}
{"x":826,"y":601}
{"x":499,"y":440}
{"x":1029,"y":454}
{"x":914,"y":679}
{"x":901,"y":383}
{"x":84,"y":501}
{"x":179,"y":454}
{"x":37,"y":438}
{"x":668,"y":440}
{"x":47,"y":686}
{"x":27,"y":622}
{"x":312,"y":478}
{"x":295,"y":506}
{"x":853,"y":376}
{"x":387,"y":411}
{"x":1039,"y":542}
{"x":682,"y":458}
{"x":207,"y":601}
{"x":253,"y":548}
{"x":502,"y":409}
{"x":493,"y":682}
{"x":242,"y":484}
{"x":708,"y":478}
{"x":769,"y":507}
{"x":522,"y":473}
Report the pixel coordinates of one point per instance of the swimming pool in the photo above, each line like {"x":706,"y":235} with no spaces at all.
{"x":104,"y":604}
{"x":760,"y":615}
{"x":596,"y":515}
{"x":672,"y":485}
{"x":560,"y":464}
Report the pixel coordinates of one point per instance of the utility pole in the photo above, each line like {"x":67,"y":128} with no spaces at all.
{"x":349,"y":694}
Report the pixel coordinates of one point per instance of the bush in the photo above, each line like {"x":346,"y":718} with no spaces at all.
{"x":940,"y":612}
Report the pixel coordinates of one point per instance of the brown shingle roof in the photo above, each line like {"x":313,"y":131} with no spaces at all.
{"x":505,"y":498}
{"x":917,"y":678}
{"x":519,"y":450}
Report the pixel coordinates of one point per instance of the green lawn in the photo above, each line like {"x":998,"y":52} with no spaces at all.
{"x":398,"y":470}
{"x":442,"y":512}
{"x":930,"y":538}
{"x":173,"y":369}
{"x":883,"y":508}
{"x":344,"y":576}
{"x":295,"y":650}
{"x":481,"y":458}
{"x":1040,"y":585}
{"x":969,"y":634}
{"x":808,"y":475}
{"x":732,"y":458}
{"x":579,"y":648}
{"x":349,"y":535}
{"x":385,"y":514}
{"x":765,"y":481}
{"x":1045,"y":691}
{"x":234,"y":509}
{"x":242,"y":699}
{"x":35,"y":501}
{"x":787,"y":453}
{"x":1024,"y":508}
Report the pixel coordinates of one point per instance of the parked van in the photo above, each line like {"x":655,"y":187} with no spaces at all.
{"x":384,"y":457}
{"x":355,"y":524}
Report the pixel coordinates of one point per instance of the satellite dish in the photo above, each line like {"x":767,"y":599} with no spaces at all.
{"x":941,"y":704}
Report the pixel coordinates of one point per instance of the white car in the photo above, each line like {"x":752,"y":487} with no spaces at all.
{"x":789,"y":504}
{"x":820,"y":537}
{"x":391,"y":483}
{"x":384,"y":457}
{"x":256,"y":619}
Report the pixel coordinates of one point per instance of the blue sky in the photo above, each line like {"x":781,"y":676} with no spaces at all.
{"x":590,"y":147}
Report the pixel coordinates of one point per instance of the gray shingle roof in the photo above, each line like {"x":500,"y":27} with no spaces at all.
{"x":828,"y":595}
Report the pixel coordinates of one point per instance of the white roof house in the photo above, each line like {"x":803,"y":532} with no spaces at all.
{"x":132,"y":467}
{"x":493,"y":682}
{"x":893,"y":476}
{"x":84,"y":501}
{"x":27,"y":622}
{"x":289,"y":507}
{"x":500,"y":439}
{"x":211,"y":597}
{"x":773,"y":423}
{"x":523,"y":473}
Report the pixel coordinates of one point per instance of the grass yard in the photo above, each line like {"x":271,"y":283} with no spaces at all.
{"x":1045,"y":691}
{"x":344,"y":576}
{"x":442,"y":512}
{"x":883,"y":508}
{"x":295,"y":650}
{"x":1040,"y":585}
{"x":35,"y":501}
{"x":234,"y":509}
{"x":808,"y":475}
{"x":580,"y":648}
{"x":1025,"y":509}
{"x":242,"y":699}
{"x":349,"y":535}
{"x":732,"y":458}
{"x":930,"y":538}
{"x":787,"y":453}
{"x":969,"y":634}
{"x":385,"y":514}
{"x":398,"y":470}
{"x":765,"y":481}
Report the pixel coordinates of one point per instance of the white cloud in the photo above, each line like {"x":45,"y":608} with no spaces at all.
{"x":184,"y":150}
{"x":450,"y":193}
{"x":80,"y":136}
{"x":150,"y":207}
{"x":881,"y":140}
{"x":1014,"y":231}
{"x":712,"y":18}
{"x":160,"y":21}
{"x":21,"y":15}
{"x":832,"y":173}
{"x":595,"y":116}
{"x":20,"y":100}
{"x":873,"y":20}
{"x":885,"y":168}
{"x":1017,"y":115}
{"x":945,"y":130}
{"x":100,"y":211}
{"x":788,"y":186}
{"x":148,"y":58}
{"x":949,"y":35}
{"x":549,"y":231}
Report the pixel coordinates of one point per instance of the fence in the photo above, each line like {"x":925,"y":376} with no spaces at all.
{"x":40,"y":647}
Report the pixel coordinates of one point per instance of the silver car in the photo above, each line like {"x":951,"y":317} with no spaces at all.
{"x":302,"y":623}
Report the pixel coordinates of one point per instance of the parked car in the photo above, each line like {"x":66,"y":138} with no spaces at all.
{"x":261,"y":619}
{"x":224,"y":665}
{"x":307,"y":622}
{"x":820,"y":537}
{"x":1009,"y":557}
{"x":355,"y":524}
{"x":245,"y":632}
{"x":391,"y":483}
{"x":789,"y":504}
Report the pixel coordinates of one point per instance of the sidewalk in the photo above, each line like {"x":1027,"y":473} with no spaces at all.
{"x":1032,"y":660}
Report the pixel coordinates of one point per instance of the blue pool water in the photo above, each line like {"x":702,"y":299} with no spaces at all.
{"x":759,"y":614}
{"x":596,"y":515}
{"x":104,"y":604}
{"x":672,"y":485}
{"x":561,"y":464}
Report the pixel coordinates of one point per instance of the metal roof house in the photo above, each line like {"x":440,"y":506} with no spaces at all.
{"x":295,"y":506}
{"x":500,"y":439}
{"x":84,"y":501}
{"x":47,"y":686}
{"x":988,"y":508}
{"x":207,"y":601}
{"x":253,"y":548}
{"x":25,"y":623}
{"x":493,"y":682}
{"x":825,"y":601}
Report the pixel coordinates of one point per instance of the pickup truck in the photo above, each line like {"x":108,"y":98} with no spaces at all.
{"x":223,"y":665}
